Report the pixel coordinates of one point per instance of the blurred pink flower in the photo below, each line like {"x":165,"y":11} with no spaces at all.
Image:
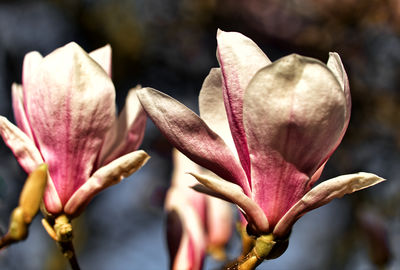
{"x":65,"y":112}
{"x":267,"y":129}
{"x":195,"y":221}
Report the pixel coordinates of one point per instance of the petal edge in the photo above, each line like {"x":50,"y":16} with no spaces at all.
{"x":324,"y":193}
{"x":191,"y":135}
{"x":104,"y":177}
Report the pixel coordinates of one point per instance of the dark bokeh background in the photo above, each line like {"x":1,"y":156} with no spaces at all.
{"x":170,"y":45}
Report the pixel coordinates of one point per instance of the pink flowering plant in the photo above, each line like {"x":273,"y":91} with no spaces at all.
{"x":267,"y":129}
{"x":66,"y":116}
{"x":264,"y":134}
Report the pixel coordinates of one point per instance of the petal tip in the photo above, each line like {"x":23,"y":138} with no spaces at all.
{"x":369,"y":179}
{"x":145,"y":157}
{"x":43,"y":167}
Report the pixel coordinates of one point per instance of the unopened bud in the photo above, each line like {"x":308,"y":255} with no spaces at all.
{"x":32,"y":192}
{"x":18,"y":229}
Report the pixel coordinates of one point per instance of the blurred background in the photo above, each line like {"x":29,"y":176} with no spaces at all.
{"x":170,"y":45}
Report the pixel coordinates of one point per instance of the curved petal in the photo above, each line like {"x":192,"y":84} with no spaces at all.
{"x":314,"y":178}
{"x":183,"y":181}
{"x":324,"y":193}
{"x":240,"y":58}
{"x":24,"y":149}
{"x":212,"y":107}
{"x":190,"y":135}
{"x":186,"y":216}
{"x":69,"y":100}
{"x":19,"y":110}
{"x":51,"y":200}
{"x":219,"y":222}
{"x":28,"y":156}
{"x":31,"y":63}
{"x":103,"y":57}
{"x":336,"y":66}
{"x":233,"y":193}
{"x":130,"y":128}
{"x":182,"y":165}
{"x":104,"y":177}
{"x":294,"y":112}
{"x":185,"y":232}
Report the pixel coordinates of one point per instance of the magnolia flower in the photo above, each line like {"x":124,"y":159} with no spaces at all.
{"x":65,"y":112}
{"x":185,"y":208}
{"x":195,"y":222}
{"x":267,"y":129}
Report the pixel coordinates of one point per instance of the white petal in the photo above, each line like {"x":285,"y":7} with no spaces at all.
{"x":212,"y":107}
{"x":324,"y":193}
{"x":22,"y":146}
{"x":103,"y":57}
{"x":127,"y":133}
{"x":104,"y":177}
{"x":191,"y":135}
{"x":235,"y":194}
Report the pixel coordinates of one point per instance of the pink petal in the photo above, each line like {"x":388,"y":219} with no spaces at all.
{"x":233,"y":193}
{"x":208,"y":191}
{"x":19,"y":110}
{"x":31,"y":63}
{"x":314,"y":178}
{"x":190,"y":135}
{"x":69,"y":100}
{"x":182,"y":182}
{"x":185,"y":232}
{"x":128,"y":132}
{"x":219,"y":222}
{"x":28,"y":156}
{"x":51,"y":200}
{"x":212,"y":107}
{"x":294,"y":113}
{"x":336,"y":66}
{"x":215,"y":214}
{"x":104,"y":177}
{"x":186,"y":216}
{"x":103,"y":57}
{"x":25,"y":151}
{"x":322,"y":194}
{"x":240,"y":58}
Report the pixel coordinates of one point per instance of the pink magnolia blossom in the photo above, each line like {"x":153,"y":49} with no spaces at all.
{"x":195,"y":221}
{"x":267,"y":129}
{"x":66,"y":117}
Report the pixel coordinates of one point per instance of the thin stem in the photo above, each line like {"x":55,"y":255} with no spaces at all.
{"x":67,"y":249}
{"x":248,"y":262}
{"x":74,"y":263}
{"x":6,"y":240}
{"x":248,"y":241}
{"x":60,"y":229}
